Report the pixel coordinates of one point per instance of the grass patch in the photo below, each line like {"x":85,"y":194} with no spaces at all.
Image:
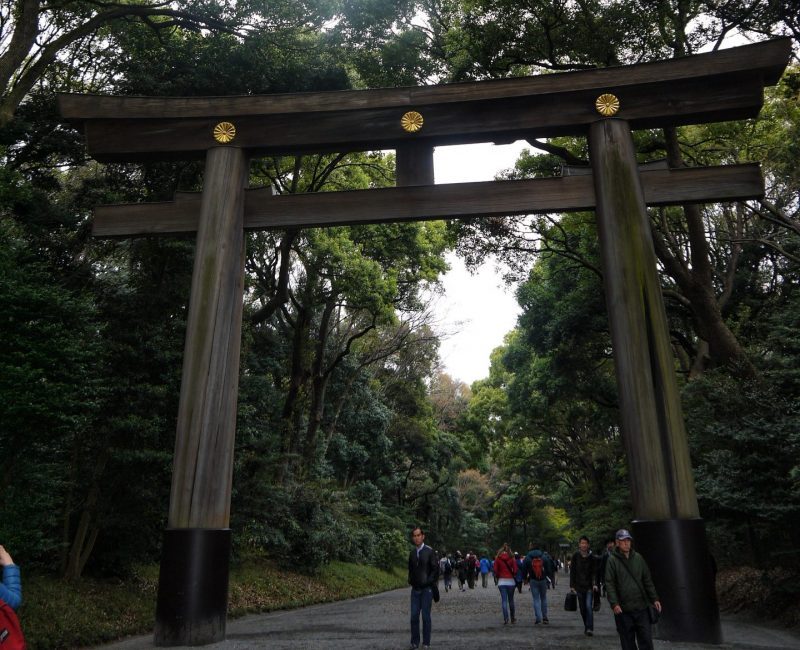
{"x":60,"y":615}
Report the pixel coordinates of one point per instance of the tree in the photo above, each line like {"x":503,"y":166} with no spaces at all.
{"x":47,"y":390}
{"x":36,"y":36}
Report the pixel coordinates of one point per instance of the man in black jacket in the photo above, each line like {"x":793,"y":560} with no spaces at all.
{"x":423,"y":574}
{"x":583,"y":581}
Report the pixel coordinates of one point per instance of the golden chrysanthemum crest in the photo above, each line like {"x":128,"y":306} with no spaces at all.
{"x":607,"y":104}
{"x":411,"y":121}
{"x":224,"y":132}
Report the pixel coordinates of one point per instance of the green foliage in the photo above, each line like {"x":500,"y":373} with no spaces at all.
{"x":746,"y":452}
{"x":47,"y":391}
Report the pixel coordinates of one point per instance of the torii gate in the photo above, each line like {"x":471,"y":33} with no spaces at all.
{"x":602,"y":104}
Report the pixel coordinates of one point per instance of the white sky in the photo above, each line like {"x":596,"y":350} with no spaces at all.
{"x":477,"y":311}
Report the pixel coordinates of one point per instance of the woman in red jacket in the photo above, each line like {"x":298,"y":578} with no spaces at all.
{"x":504,"y":570}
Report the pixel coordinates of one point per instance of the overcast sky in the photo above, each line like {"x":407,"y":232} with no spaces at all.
{"x":477,"y":309}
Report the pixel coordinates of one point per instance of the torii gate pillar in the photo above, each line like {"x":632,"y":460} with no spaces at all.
{"x":667,"y":525}
{"x":193,"y":583}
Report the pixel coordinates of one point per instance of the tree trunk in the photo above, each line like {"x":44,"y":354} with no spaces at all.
{"x":694,"y":277}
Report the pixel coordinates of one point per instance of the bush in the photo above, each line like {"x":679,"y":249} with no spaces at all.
{"x":89,"y":612}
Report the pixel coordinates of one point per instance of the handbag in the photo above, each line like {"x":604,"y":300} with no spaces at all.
{"x":571,"y":602}
{"x":596,"y":601}
{"x":435,"y":592}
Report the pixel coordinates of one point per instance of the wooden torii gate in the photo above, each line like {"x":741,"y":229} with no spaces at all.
{"x":603,"y":105}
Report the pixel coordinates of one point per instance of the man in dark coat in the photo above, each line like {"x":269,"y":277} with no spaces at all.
{"x":423,"y":574}
{"x":583,"y":581}
{"x":630,"y":592}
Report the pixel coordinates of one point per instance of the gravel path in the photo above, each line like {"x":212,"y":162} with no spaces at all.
{"x":466,"y":621}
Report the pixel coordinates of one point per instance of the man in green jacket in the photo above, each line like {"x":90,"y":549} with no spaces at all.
{"x":630,"y":592}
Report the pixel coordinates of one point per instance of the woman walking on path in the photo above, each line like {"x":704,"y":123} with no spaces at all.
{"x":504,"y":570}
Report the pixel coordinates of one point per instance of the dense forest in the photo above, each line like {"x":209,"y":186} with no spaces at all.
{"x":348,"y":430}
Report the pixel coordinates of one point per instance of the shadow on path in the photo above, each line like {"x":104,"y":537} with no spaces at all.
{"x":464,"y":620}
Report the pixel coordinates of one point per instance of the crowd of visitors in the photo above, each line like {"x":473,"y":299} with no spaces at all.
{"x":618,"y":573}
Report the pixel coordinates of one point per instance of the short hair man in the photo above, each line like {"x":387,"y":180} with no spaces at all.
{"x":630,"y":592}
{"x":583,"y":582}
{"x":423,"y":574}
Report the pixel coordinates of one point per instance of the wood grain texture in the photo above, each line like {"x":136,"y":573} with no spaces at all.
{"x":723,"y":85}
{"x":204,"y":443}
{"x":768,"y":59}
{"x":492,"y":198}
{"x":662,"y":484}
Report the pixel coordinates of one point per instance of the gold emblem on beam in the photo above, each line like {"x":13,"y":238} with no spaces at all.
{"x":224,"y":132}
{"x":411,"y":121}
{"x":607,"y":104}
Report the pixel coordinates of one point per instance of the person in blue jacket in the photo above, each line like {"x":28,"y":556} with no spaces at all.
{"x":11,"y":586}
{"x":486,"y":569}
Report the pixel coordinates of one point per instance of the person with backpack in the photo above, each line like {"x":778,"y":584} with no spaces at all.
{"x":631,"y":594}
{"x":486,"y":569}
{"x":504,"y":569}
{"x":446,"y":566}
{"x":583,"y":581}
{"x":537,"y":568}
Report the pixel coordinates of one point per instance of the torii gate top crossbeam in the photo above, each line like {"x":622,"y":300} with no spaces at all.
{"x":723,"y":85}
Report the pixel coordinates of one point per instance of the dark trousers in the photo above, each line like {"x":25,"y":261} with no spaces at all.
{"x":421,"y":600}
{"x":586,"y":602}
{"x":634,"y":627}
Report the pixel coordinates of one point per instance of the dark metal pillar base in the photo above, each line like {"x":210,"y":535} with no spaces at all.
{"x":193,"y":587}
{"x":677,"y":553}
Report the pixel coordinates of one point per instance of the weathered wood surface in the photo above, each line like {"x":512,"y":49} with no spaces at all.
{"x":493,"y":198}
{"x":723,"y":85}
{"x":204,"y":443}
{"x":768,"y":58}
{"x":414,"y":164}
{"x":662,"y":484}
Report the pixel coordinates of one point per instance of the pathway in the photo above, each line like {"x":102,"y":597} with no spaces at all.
{"x":463,"y":621}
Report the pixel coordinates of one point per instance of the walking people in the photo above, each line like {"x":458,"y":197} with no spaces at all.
{"x":537,"y":568}
{"x":446,"y":566}
{"x":631,"y":592}
{"x":519,"y":576}
{"x":461,"y":570}
{"x":472,"y":565}
{"x":556,"y":566}
{"x":583,"y":581}
{"x":486,"y":569}
{"x":504,"y":570}
{"x":423,"y":574}
{"x":551,"y":577}
{"x":601,"y":572}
